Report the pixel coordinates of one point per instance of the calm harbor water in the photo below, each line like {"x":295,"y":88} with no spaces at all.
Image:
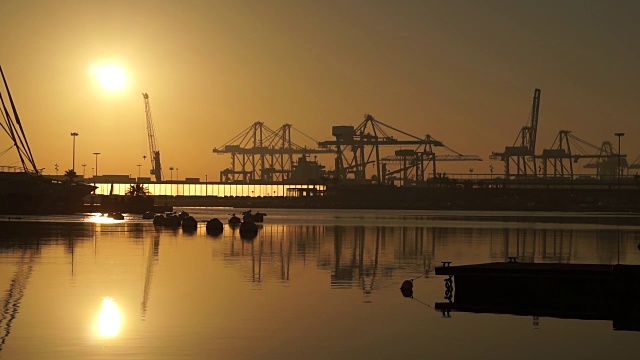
{"x":310,"y":285}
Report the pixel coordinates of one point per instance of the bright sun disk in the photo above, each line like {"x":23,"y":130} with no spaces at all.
{"x":111,"y":77}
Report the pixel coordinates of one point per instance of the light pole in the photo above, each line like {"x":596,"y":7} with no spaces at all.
{"x":84,"y":167}
{"x":96,"y":154}
{"x":73,"y":163}
{"x":171,"y":168}
{"x":177,"y":174}
{"x":619,"y":169}
{"x":139,"y":170}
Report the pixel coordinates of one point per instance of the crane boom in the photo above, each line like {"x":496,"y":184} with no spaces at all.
{"x":156,"y":168}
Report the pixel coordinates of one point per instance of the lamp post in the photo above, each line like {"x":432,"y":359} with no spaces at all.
{"x":177,"y":174}
{"x":73,"y":163}
{"x":171,"y":168}
{"x":84,"y":167}
{"x":96,"y":154}
{"x":619,"y":169}
{"x":139,"y":165}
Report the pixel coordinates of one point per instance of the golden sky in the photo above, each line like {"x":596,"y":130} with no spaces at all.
{"x":462,"y":71}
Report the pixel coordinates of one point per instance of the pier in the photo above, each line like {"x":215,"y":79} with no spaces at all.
{"x":570,"y":291}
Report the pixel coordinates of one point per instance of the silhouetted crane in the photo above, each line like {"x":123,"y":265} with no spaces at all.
{"x":259,"y":153}
{"x":415,"y":162}
{"x":523,"y":152}
{"x":567,"y":149}
{"x":359,"y":146}
{"x":156,"y":168}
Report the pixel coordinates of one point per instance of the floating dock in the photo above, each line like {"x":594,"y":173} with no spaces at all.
{"x":575,"y":291}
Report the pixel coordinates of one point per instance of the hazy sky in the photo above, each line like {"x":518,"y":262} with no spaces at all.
{"x":462,"y":71}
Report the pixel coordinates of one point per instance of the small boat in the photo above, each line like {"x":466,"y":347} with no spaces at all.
{"x":257,"y":217}
{"x":24,"y":190}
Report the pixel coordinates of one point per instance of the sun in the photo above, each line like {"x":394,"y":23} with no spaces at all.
{"x":110,"y":77}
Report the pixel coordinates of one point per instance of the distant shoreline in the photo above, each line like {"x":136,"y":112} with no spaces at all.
{"x":595,"y":215}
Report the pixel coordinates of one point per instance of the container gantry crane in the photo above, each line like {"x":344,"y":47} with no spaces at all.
{"x":523,"y":151}
{"x":260,"y":154}
{"x":156,"y":168}
{"x":413,"y":163}
{"x":568,"y":149}
{"x":357,"y":147}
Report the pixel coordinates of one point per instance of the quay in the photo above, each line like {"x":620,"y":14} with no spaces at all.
{"x":570,"y":291}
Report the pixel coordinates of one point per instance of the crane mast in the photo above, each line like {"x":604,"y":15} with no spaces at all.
{"x":156,"y":168}
{"x":523,"y":152}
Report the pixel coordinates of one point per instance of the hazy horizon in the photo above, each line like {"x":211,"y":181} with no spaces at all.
{"x":461,"y":71}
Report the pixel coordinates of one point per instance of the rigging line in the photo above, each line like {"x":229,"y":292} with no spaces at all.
{"x":5,"y":127}
{"x":303,"y":134}
{"x":398,"y":130}
{"x":6,"y":150}
{"x":420,"y":301}
{"x":425,"y":274}
{"x":443,"y":145}
{"x":238,"y":136}
{"x":584,"y":141}
{"x":12,"y":131}
{"x":17,"y":119}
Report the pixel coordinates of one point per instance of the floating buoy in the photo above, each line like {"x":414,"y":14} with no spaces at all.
{"x":248,"y":230}
{"x":234,"y":220}
{"x":189,"y":223}
{"x":214,"y":226}
{"x":407,"y":288}
{"x":159,"y":220}
{"x":407,"y":284}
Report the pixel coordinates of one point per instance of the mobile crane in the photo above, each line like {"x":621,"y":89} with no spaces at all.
{"x":156,"y":168}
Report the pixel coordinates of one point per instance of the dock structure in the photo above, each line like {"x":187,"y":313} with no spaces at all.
{"x":572,"y":291}
{"x":513,"y":268}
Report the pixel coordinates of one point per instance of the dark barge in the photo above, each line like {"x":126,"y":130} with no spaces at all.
{"x":572,"y":291}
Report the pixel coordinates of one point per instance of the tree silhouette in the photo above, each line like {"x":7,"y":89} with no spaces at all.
{"x":70,"y":174}
{"x":138,"y":190}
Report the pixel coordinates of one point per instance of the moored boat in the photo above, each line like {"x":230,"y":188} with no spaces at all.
{"x":255,"y":217}
{"x":24,"y":190}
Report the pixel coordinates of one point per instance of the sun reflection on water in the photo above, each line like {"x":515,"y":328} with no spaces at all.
{"x":109,"y":318}
{"x":98,"y":218}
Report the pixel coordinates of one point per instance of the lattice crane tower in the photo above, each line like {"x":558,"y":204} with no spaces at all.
{"x":156,"y":168}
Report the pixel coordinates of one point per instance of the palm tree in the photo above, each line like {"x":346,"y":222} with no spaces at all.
{"x":138,"y":190}
{"x":70,"y":174}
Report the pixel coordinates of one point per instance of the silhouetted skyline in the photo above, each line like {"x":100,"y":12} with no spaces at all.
{"x":460,"y":71}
